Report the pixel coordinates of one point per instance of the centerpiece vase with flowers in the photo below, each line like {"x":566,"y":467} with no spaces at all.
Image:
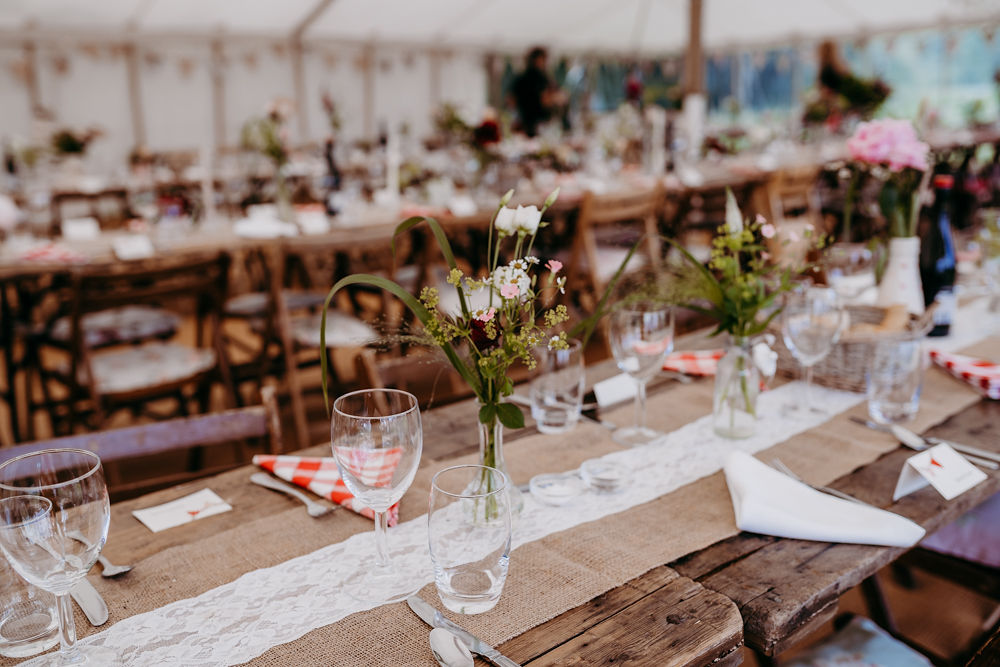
{"x":738,"y":288}
{"x":893,"y":152}
{"x":268,"y":135}
{"x":509,"y":319}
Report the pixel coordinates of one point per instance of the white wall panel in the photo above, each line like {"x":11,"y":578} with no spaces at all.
{"x":176,"y":90}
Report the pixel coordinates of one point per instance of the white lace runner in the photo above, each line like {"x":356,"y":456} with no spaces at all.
{"x":239,"y":621}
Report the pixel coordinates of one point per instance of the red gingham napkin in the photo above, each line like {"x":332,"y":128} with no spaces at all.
{"x":981,"y":374}
{"x":694,"y":362}
{"x":53,"y":253}
{"x":321,"y":476}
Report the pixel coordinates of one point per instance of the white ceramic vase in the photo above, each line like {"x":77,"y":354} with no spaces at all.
{"x":901,"y":280}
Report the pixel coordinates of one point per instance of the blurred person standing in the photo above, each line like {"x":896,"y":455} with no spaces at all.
{"x":536,"y":96}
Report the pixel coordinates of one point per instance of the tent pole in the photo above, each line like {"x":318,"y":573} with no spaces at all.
{"x":299,"y":81}
{"x":368,"y":91}
{"x":31,"y":77}
{"x":694,"y":59}
{"x":218,"y":95}
{"x":434,"y":56}
{"x":135,"y":95}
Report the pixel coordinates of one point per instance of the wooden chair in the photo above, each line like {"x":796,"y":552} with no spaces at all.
{"x":428,"y":377}
{"x":606,"y":228}
{"x":98,"y":382}
{"x":149,"y":447}
{"x":793,"y":205}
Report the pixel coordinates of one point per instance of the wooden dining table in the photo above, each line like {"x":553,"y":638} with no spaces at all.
{"x":765,"y":592}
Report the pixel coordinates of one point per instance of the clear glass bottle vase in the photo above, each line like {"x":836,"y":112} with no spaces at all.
{"x":737,"y":385}
{"x":491,"y":454}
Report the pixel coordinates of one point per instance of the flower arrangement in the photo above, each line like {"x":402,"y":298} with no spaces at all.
{"x":70,"y":142}
{"x":501,"y":317}
{"x":268,"y":134}
{"x":890,"y":147}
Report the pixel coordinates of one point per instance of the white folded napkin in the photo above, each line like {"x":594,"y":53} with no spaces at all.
{"x":259,"y":227}
{"x":769,"y":502}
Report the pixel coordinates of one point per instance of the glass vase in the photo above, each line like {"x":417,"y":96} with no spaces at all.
{"x":737,"y":385}
{"x":491,"y":455}
{"x":283,"y":198}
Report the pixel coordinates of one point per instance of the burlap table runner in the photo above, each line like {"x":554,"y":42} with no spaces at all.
{"x":547,"y":577}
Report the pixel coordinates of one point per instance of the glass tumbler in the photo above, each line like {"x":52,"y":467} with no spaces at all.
{"x":468,"y":526}
{"x":28,"y":617}
{"x":557,"y":389}
{"x":895,"y":379}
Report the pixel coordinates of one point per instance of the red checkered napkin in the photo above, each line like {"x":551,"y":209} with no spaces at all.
{"x":320,"y":475}
{"x":981,"y":374}
{"x":54,"y":253}
{"x":695,"y":362}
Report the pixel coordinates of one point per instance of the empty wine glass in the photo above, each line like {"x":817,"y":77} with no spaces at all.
{"x":377,"y":439}
{"x":641,"y":337}
{"x":811,"y":323}
{"x":850,"y":269}
{"x":45,"y":497}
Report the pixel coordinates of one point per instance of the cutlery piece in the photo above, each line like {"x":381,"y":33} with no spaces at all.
{"x":93,"y":605}
{"x":780,"y":465}
{"x":433,"y":618}
{"x":108,"y":569}
{"x":683,"y":378}
{"x":919,"y":443}
{"x":312,"y":507}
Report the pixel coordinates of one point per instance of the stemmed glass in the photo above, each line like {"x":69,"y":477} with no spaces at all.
{"x":641,"y":337}
{"x":45,"y":497}
{"x":811,"y":323}
{"x":377,"y":440}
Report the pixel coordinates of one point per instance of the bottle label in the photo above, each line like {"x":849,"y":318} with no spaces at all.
{"x":945,"y":311}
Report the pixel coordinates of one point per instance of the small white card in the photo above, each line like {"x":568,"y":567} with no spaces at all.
{"x":615,"y":390}
{"x":132,"y":246}
{"x":80,"y":229}
{"x":183,"y":510}
{"x":941,"y":467}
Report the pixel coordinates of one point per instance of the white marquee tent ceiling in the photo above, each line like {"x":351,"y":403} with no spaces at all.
{"x":625,"y":26}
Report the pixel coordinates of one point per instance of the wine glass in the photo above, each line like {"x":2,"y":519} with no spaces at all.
{"x":850,"y":269}
{"x":46,"y":497}
{"x":641,"y":337}
{"x":811,"y":323}
{"x":377,"y":440}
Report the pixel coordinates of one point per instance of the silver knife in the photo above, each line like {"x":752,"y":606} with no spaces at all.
{"x":980,"y":457}
{"x":433,"y":618}
{"x":93,"y":605}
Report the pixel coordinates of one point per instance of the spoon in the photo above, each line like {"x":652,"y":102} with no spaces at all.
{"x":313,"y":508}
{"x":108,"y":569}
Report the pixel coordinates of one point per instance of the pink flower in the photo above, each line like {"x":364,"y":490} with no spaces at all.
{"x":485,"y":315}
{"x":760,"y":220}
{"x":509,"y":291}
{"x":889,"y":142}
{"x":768,"y":231}
{"x":554,"y":265}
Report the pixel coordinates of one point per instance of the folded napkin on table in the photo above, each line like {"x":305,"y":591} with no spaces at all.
{"x":56,"y":253}
{"x":261,"y":227}
{"x":693,"y":362}
{"x":322,"y":477}
{"x":769,"y":502}
{"x":981,"y":374}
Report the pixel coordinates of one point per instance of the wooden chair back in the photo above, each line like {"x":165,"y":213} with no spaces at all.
{"x":601,"y":217}
{"x":432,"y":380}
{"x":188,"y":434}
{"x":794,"y":208}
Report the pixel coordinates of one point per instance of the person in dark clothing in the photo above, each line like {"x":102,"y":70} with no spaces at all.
{"x":532,"y":91}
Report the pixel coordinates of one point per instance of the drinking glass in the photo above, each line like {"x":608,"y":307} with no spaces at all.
{"x":377,"y":440}
{"x":29,"y":623}
{"x":468,"y":529}
{"x":811,"y":323}
{"x":557,"y":389}
{"x":895,"y":379}
{"x":46,"y":496}
{"x":850,"y":269}
{"x":641,"y":337}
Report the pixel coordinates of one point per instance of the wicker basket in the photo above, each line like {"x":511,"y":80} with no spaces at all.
{"x":846,"y":365}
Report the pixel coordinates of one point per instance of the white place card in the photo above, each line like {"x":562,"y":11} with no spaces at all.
{"x":80,"y":229}
{"x":183,"y":510}
{"x":615,"y":390}
{"x":132,"y":246}
{"x":941,"y":467}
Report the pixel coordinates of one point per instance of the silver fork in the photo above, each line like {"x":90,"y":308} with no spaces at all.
{"x":313,"y":508}
{"x":780,"y":466}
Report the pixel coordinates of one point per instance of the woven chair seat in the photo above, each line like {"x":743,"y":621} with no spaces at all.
{"x":256,"y":303}
{"x":127,"y":324}
{"x":140,"y":367}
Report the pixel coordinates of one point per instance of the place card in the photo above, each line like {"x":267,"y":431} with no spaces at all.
{"x":132,"y":246}
{"x":615,"y":390}
{"x":80,"y":229}
{"x":183,"y":510}
{"x":941,"y":467}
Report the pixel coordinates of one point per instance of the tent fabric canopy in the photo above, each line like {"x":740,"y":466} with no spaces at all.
{"x":626,"y":26}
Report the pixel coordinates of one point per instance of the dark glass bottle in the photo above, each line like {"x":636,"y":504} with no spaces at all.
{"x":937,"y":258}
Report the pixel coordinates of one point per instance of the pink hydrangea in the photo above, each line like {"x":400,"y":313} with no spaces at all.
{"x":891,"y":142}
